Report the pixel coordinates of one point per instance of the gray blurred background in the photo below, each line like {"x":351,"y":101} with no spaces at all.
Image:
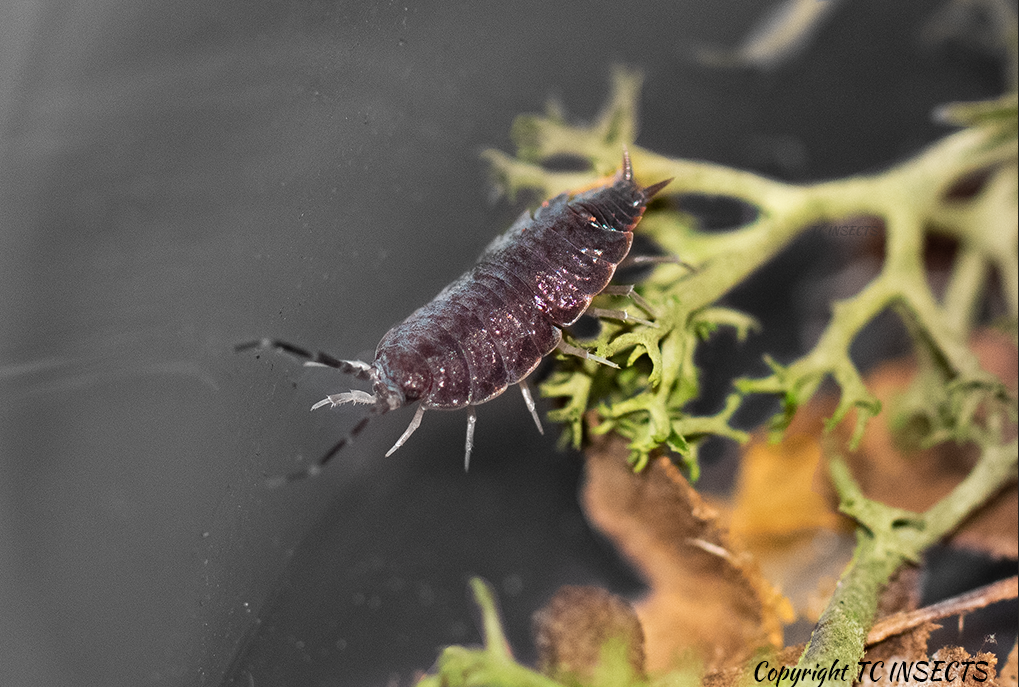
{"x":178,"y":177}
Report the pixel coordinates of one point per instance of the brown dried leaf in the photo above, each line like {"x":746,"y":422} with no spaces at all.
{"x":925,"y":670}
{"x":739,"y":675}
{"x":707,"y":596}
{"x":572,"y":630}
{"x":957,"y":654}
{"x":780,"y":516}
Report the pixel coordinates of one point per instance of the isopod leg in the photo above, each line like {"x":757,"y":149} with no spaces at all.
{"x":414,"y":424}
{"x":586,"y":355}
{"x":629,"y":292}
{"x":472,"y":419}
{"x":638,"y":260}
{"x":357,"y":368}
{"x":352,"y":396}
{"x":619,"y":315}
{"x":525,"y":389}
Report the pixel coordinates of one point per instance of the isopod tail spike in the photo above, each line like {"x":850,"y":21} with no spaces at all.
{"x":472,"y":420}
{"x":525,"y":390}
{"x":627,"y":172}
{"x":650,"y":191}
{"x":414,"y":424}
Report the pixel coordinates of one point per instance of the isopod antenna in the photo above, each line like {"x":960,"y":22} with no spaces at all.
{"x":355,"y":368}
{"x":316,"y":468}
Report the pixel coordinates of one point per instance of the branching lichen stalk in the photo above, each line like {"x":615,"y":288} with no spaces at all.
{"x":886,"y":539}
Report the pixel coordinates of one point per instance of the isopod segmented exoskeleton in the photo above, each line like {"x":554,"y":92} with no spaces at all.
{"x":490,"y":328}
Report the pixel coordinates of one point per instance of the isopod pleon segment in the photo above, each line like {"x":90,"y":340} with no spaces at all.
{"x":584,"y":268}
{"x":520,"y":339}
{"x":523,"y":339}
{"x":486,"y":373}
{"x":558,"y":299}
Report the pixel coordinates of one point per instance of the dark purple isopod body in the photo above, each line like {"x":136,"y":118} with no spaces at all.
{"x":490,"y":328}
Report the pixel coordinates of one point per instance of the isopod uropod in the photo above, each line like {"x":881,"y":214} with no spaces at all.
{"x":490,"y":328}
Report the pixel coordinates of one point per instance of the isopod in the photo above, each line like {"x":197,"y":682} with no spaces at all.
{"x":491,"y":328}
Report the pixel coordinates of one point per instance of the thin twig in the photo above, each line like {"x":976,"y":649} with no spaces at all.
{"x":964,"y":603}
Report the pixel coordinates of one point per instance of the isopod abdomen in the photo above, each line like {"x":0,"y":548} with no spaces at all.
{"x":491,"y":328}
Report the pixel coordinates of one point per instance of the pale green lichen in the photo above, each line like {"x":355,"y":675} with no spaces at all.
{"x":492,"y":665}
{"x":952,"y":398}
{"x":646,"y":402}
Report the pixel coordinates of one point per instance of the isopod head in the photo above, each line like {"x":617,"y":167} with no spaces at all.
{"x":399,"y":377}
